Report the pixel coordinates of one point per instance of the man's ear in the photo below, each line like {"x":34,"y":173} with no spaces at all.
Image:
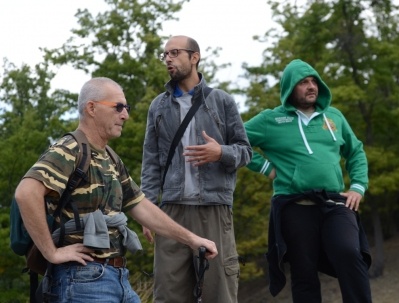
{"x":90,"y":108}
{"x":195,"y":57}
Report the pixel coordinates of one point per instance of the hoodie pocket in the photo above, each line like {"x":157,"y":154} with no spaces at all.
{"x":321,"y":176}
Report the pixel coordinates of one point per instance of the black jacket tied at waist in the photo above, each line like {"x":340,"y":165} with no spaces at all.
{"x":277,"y":247}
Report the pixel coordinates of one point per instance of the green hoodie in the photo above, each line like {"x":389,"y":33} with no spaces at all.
{"x":304,"y":156}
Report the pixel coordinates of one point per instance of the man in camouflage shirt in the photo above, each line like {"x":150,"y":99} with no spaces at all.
{"x":109,"y":190}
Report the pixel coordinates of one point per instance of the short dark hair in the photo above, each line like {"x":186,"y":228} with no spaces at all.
{"x":193,"y":45}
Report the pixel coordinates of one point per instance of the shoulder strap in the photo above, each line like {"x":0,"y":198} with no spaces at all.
{"x":80,"y":173}
{"x":113,"y":155}
{"x":83,"y":159}
{"x":181,"y":130}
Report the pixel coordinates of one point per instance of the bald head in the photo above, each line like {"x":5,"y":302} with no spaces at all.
{"x":190,"y":42}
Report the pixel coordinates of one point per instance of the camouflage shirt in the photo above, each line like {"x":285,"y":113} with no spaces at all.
{"x":109,"y":187}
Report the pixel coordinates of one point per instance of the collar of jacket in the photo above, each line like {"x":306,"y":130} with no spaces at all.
{"x":171,"y":86}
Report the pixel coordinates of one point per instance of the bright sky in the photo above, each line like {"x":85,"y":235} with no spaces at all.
{"x":27,"y":25}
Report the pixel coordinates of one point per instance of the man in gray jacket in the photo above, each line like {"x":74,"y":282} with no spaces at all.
{"x":198,"y":188}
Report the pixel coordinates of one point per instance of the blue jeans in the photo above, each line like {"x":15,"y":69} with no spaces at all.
{"x":95,"y":282}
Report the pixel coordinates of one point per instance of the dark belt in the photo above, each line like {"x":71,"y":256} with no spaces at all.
{"x":115,"y":262}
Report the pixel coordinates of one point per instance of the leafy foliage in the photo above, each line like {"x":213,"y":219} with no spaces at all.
{"x":353,"y":44}
{"x":34,"y":118}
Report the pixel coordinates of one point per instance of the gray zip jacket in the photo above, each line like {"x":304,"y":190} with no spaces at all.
{"x":218,"y":116}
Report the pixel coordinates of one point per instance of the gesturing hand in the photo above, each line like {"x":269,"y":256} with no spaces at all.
{"x":205,"y":153}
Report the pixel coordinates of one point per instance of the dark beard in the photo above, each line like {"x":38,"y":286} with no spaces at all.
{"x":301,"y":103}
{"x":179,"y":75}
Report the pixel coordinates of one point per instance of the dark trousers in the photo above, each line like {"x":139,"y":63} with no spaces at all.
{"x":310,"y":229}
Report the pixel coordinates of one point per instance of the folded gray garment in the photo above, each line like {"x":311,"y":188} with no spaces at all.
{"x":95,"y":231}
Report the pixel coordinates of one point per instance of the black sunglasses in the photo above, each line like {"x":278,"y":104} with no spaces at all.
{"x":118,"y":106}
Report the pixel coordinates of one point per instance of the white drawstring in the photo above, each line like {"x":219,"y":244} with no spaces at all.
{"x":303,"y":134}
{"x":305,"y":141}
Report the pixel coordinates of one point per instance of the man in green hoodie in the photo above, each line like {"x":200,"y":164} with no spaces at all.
{"x":314,"y":224}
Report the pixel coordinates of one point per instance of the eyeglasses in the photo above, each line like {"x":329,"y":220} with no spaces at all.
{"x":118,"y":106}
{"x":173,"y":53}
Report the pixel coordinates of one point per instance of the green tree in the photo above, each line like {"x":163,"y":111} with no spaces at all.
{"x":251,"y":209}
{"x":32,"y":117}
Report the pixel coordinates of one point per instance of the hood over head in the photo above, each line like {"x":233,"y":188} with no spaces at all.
{"x":294,"y":72}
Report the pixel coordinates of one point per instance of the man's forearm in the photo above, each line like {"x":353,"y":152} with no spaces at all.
{"x":152,"y":217}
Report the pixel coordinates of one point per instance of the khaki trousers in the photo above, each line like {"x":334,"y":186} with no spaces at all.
{"x":174,"y":272}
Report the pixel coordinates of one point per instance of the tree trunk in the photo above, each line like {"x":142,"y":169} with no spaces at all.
{"x":377,"y":266}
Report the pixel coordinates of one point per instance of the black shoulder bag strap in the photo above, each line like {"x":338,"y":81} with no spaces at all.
{"x":83,"y":158}
{"x":79,"y":174}
{"x":181,"y":130}
{"x":113,"y":155}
